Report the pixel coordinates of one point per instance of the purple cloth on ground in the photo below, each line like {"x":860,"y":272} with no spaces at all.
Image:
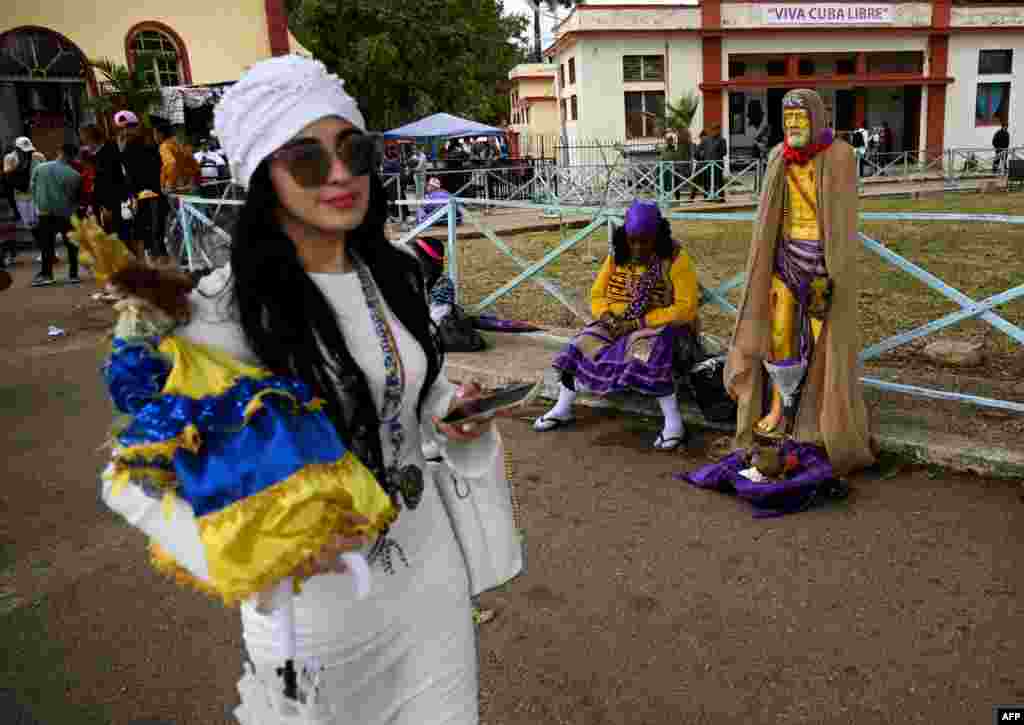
{"x":496,"y":324}
{"x":616,"y":369}
{"x":774,"y":497}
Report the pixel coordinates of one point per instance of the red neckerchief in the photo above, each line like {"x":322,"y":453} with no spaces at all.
{"x":804,"y":155}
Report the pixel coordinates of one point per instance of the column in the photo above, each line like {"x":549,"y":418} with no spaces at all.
{"x":711,"y":61}
{"x":938,"y":67}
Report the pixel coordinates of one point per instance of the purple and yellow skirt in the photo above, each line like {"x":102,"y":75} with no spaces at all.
{"x":644,"y":361}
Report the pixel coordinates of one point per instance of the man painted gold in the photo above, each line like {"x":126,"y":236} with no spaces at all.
{"x":800,"y":302}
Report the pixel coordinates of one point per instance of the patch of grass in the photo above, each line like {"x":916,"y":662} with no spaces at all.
{"x":979,"y":259}
{"x":33,"y":672}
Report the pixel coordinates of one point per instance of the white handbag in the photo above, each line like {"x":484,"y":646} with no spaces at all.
{"x":484,"y":514}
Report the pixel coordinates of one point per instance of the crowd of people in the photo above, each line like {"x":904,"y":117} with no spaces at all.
{"x":125,"y":181}
{"x":697,"y":166}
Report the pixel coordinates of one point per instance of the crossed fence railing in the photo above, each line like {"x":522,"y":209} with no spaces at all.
{"x":620,"y":180}
{"x":605,"y":217}
{"x":212,"y":241}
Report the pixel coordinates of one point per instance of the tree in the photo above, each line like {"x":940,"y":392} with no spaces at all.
{"x":124,"y":89}
{"x":680,"y":115}
{"x":553,"y":5}
{"x":402,"y":60}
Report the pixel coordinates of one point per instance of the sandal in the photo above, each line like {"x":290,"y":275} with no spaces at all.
{"x":661,"y":443}
{"x":547,"y":423}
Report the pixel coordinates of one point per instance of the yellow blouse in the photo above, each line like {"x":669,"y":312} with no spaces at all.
{"x":801,"y":217}
{"x":613,"y":291}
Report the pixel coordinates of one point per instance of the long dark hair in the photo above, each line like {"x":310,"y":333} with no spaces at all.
{"x":290,"y":324}
{"x":664,"y":247}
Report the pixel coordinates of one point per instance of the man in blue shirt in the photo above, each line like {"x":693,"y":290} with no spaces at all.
{"x":55,"y":189}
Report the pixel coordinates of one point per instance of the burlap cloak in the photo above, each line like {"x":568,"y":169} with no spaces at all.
{"x":832,"y":410}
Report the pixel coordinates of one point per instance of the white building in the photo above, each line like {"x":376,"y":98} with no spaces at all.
{"x":941,"y":75}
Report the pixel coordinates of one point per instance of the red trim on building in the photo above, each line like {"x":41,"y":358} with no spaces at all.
{"x":711,"y":62}
{"x":90,"y":74}
{"x":179,"y":44}
{"x":639,"y":7}
{"x":938,"y":64}
{"x":829,"y":81}
{"x":277,"y":27}
{"x":549,"y":77}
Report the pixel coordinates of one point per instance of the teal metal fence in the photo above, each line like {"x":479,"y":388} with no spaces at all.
{"x":200,"y":230}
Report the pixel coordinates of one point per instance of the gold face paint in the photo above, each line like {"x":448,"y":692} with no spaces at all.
{"x":797,"y":125}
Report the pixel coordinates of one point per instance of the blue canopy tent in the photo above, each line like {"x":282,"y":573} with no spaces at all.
{"x":441,"y":126}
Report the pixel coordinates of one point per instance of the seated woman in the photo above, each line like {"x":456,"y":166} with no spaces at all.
{"x":645,"y":304}
{"x":435,"y":199}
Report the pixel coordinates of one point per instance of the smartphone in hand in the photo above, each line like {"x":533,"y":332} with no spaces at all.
{"x":495,"y":401}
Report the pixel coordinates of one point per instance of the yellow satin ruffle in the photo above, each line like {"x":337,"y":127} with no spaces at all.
{"x":261,"y":539}
{"x":199,"y":371}
{"x":120,"y":475}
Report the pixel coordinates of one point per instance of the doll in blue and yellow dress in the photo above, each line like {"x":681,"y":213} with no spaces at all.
{"x":247,"y":454}
{"x":251,"y":453}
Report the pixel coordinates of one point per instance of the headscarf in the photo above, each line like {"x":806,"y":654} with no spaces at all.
{"x":271,"y":103}
{"x":820,"y":137}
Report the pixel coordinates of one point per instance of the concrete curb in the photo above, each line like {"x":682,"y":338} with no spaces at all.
{"x":894,"y":436}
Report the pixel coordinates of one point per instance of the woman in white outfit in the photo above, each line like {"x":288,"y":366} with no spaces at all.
{"x":315,"y":290}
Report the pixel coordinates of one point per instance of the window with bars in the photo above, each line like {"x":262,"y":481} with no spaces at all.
{"x":158,"y":55}
{"x":645,"y":114}
{"x":995,"y":62}
{"x":643,"y":68}
{"x":574,"y":108}
{"x":572,"y":71}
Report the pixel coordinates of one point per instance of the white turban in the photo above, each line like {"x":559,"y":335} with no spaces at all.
{"x":273,"y":101}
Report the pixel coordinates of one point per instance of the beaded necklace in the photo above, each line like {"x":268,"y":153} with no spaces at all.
{"x":407,"y":480}
{"x":642,"y":292}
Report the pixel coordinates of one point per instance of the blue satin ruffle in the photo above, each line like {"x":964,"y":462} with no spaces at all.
{"x":137,"y":372}
{"x":273,"y":446}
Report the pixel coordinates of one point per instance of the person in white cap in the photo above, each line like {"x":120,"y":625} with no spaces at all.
{"x":315,"y":290}
{"x":127,"y":187}
{"x":18,"y":168}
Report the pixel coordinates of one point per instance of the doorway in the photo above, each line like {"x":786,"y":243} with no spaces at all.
{"x":911,"y":118}
{"x":775,"y":96}
{"x":846,"y":111}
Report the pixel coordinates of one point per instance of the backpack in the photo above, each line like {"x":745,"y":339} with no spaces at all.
{"x":706,"y":385}
{"x":21,"y":177}
{"x":458,"y":333}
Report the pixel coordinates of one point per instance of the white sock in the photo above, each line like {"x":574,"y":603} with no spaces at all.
{"x":674,"y":425}
{"x":563,"y":408}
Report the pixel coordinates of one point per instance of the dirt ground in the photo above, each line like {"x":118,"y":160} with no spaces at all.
{"x":645,"y":601}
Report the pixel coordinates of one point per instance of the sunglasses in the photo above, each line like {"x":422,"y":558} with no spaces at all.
{"x":309,"y":162}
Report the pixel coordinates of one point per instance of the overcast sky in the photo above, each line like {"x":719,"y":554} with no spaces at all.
{"x":523,"y":7}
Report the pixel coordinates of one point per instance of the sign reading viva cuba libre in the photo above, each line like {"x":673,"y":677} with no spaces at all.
{"x":827,"y":14}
